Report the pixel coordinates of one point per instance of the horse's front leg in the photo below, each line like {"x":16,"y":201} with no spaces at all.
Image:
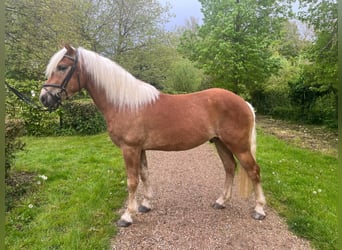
{"x":145,"y":205}
{"x":132,"y":157}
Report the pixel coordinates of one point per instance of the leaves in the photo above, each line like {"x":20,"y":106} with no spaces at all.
{"x":36,"y":29}
{"x":233,"y":43}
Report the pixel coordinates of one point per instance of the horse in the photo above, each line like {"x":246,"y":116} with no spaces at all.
{"x":139,"y":117}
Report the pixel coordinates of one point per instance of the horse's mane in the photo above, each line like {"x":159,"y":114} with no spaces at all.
{"x":121,"y":88}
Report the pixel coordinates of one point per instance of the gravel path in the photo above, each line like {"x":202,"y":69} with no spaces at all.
{"x":185,"y":185}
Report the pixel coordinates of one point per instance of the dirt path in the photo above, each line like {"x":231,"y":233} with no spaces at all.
{"x":185,"y":185}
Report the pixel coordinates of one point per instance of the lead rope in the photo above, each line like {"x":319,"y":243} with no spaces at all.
{"x":26,"y":99}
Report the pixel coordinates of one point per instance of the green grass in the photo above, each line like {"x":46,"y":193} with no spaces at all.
{"x":301,"y":186}
{"x":75,"y":207}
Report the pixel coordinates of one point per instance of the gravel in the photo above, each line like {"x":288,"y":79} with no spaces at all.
{"x":185,"y":185}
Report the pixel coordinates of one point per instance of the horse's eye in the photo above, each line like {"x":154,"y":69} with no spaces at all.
{"x":62,"y":67}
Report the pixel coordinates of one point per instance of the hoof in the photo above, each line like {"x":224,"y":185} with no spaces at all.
{"x":143,"y":209}
{"x":218,"y":206}
{"x":123,"y":223}
{"x":258,"y":216}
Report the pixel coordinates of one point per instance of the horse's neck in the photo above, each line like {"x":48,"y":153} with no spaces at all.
{"x":101,"y":100}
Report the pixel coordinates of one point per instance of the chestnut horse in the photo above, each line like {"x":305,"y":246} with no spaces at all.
{"x":140,"y":118}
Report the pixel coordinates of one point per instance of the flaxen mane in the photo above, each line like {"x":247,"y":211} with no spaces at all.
{"x":121,"y":88}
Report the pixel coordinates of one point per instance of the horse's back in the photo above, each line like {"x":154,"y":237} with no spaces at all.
{"x":178,"y":122}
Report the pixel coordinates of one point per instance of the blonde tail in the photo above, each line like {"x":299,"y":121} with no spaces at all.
{"x":245,"y":183}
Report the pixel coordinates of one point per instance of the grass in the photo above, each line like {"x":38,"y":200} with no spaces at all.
{"x":301,"y":186}
{"x":75,"y":207}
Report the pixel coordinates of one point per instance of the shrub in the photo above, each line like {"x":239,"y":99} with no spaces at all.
{"x":82,"y":117}
{"x":13,"y":130}
{"x":272,"y":102}
{"x":37,"y":122}
{"x":183,"y":77}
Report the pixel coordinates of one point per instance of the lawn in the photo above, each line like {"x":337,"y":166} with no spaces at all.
{"x":80,"y":183}
{"x":301,"y":186}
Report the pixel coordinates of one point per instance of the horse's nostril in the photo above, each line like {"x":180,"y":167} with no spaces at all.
{"x":43,"y":99}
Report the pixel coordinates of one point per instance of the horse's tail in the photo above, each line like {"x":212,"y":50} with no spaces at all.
{"x":245,"y":183}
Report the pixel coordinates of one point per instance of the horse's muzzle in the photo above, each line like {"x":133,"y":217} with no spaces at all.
{"x":50,"y":100}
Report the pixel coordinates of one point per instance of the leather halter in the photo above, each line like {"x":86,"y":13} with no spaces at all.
{"x":63,"y":86}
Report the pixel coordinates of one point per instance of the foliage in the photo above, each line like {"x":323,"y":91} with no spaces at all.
{"x":108,"y":27}
{"x":302,"y":186}
{"x":183,"y":77}
{"x":233,"y":43}
{"x":78,"y":117}
{"x":34,"y":29}
{"x":306,"y":95}
{"x":122,"y":26}
{"x":272,"y":98}
{"x":290,"y":43}
{"x":321,"y":77}
{"x":36,"y":121}
{"x":81,"y":117}
{"x":13,"y":130}
{"x":249,"y":47}
{"x":149,"y":64}
{"x":78,"y":184}
{"x":160,"y":65}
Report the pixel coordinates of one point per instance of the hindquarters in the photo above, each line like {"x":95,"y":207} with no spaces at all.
{"x":239,"y":135}
{"x":240,"y":139}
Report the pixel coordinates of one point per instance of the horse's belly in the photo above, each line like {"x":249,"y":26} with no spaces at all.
{"x":178,"y":138}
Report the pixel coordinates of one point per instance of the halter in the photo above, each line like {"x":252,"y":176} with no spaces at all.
{"x":63,"y":86}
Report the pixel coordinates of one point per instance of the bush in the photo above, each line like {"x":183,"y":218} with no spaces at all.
{"x":183,"y":77}
{"x":82,"y":117}
{"x":37,"y":122}
{"x":13,"y":130}
{"x":272,"y":102}
{"x":78,"y":117}
{"x":324,"y":111}
{"x":299,"y":103}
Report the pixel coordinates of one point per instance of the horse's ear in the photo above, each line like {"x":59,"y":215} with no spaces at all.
{"x":69,"y":48}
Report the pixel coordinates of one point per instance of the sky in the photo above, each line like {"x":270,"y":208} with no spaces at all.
{"x":183,"y":10}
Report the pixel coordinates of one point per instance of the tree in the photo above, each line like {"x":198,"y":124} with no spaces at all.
{"x":290,"y":43}
{"x":321,"y":78}
{"x":183,"y":76}
{"x":34,"y":30}
{"x":120,"y":26}
{"x":150,"y":64}
{"x":233,"y":43}
{"x":322,"y":16}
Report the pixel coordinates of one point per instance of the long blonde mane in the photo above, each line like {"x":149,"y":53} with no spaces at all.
{"x":121,"y":88}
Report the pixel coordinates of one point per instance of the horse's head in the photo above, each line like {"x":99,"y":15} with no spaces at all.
{"x":63,"y":73}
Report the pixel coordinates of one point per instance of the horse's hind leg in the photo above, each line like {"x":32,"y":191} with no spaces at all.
{"x":229,"y":164}
{"x":249,"y":164}
{"x":144,"y":175}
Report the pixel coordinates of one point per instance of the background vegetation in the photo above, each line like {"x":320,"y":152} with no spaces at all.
{"x":283,"y":62}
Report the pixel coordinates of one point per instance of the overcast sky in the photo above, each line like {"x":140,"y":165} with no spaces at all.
{"x":183,"y":10}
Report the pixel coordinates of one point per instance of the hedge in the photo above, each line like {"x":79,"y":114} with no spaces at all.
{"x":81,"y":117}
{"x":14,"y":128}
{"x":74,"y":117}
